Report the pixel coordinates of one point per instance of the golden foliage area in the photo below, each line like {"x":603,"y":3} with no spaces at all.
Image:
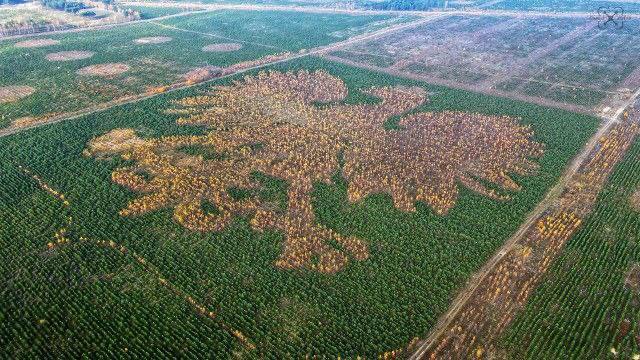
{"x":294,"y":126}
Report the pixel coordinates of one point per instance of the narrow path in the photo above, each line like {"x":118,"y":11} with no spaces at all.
{"x":175,"y":87}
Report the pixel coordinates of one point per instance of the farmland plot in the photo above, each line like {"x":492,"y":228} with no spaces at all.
{"x":564,"y":63}
{"x":278,"y":250}
{"x":64,"y":86}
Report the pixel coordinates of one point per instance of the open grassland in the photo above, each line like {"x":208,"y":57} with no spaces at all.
{"x":63,"y":86}
{"x":285,"y":30}
{"x":588,"y":304}
{"x":116,"y":261}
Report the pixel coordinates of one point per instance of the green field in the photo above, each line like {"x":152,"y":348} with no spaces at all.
{"x":583,"y":308}
{"x":81,"y":299}
{"x":59,"y":89}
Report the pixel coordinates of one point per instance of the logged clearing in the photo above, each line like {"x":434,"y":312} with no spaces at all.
{"x":153,"y":40}
{"x":269,"y":124}
{"x":36,"y":43}
{"x":224,"y":47}
{"x":13,"y":93}
{"x":104,"y":70}
{"x":69,"y":55}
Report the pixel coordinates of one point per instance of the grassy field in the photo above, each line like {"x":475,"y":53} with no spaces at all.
{"x":417,"y":260}
{"x":588,"y":305}
{"x":58,"y":88}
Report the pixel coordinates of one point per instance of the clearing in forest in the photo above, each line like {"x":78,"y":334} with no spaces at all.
{"x":69,"y":55}
{"x":13,"y":93}
{"x":153,"y":40}
{"x":36,"y":43}
{"x":563,"y":63}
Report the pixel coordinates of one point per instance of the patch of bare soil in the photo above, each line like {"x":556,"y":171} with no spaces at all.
{"x":24,"y":121}
{"x":36,"y":43}
{"x":104,"y":70}
{"x":13,"y":93}
{"x":635,"y":200}
{"x":114,"y":142}
{"x":152,"y":40}
{"x":28,"y":121}
{"x":224,"y":47}
{"x":202,"y":74}
{"x":632,"y":280}
{"x":69,"y":55}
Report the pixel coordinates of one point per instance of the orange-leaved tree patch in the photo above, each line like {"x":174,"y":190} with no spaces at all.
{"x":293,"y":126}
